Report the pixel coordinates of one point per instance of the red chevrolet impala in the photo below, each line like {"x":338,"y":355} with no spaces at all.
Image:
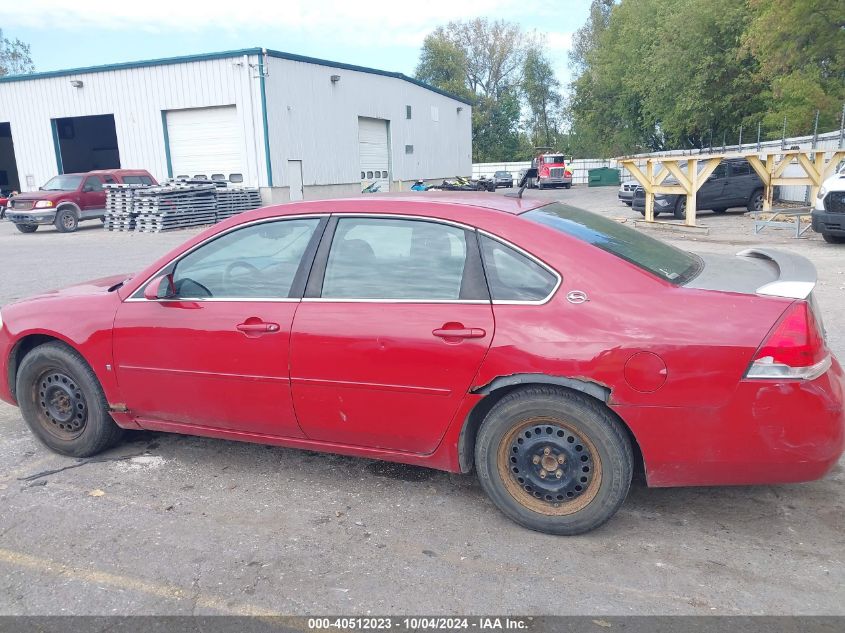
{"x":551,"y":349}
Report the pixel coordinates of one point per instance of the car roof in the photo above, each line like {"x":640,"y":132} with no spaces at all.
{"x":484,"y":200}
{"x":107,"y":171}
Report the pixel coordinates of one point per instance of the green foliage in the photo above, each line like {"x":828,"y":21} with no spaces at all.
{"x":505,"y":73}
{"x":15,"y":57}
{"x":655,"y":74}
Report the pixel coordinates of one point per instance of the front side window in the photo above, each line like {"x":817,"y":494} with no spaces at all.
{"x":513,"y":276}
{"x":92,"y":183}
{"x":257,"y":261}
{"x":375,"y":258}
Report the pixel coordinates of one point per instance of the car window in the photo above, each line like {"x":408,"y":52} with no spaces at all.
{"x":109,"y":180}
{"x":720,"y":172}
{"x":513,"y":276}
{"x":257,"y":261}
{"x":667,"y":262}
{"x":741,"y":169}
{"x":375,"y":258}
{"x":92,"y":183}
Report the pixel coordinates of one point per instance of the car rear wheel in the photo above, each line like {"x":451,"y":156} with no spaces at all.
{"x":833,"y":239}
{"x":66,"y":221}
{"x":720,"y":210}
{"x":755,"y":202}
{"x":554,"y":460}
{"x":567,"y":186}
{"x":681,"y":208}
{"x":26,"y":228}
{"x":62,"y":402}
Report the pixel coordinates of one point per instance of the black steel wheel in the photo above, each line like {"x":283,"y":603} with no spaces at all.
{"x":554,"y":460}
{"x":62,"y":402}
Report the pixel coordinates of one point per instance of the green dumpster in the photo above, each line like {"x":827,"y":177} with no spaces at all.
{"x":603,"y":177}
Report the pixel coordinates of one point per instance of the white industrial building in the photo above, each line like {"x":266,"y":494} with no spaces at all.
{"x":295,"y":126}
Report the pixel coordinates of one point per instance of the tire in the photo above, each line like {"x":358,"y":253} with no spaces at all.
{"x":567,"y":186}
{"x":539,"y":184}
{"x":574,"y":429}
{"x":755,"y":202}
{"x":26,"y":228}
{"x":66,"y":221}
{"x":681,"y":208}
{"x":720,"y":210}
{"x":62,"y":402}
{"x":656,"y":212}
{"x":833,"y":239}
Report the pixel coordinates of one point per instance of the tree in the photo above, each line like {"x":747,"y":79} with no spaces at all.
{"x":542,"y":95}
{"x":800,"y":46}
{"x":15,"y":57}
{"x":482,"y":61}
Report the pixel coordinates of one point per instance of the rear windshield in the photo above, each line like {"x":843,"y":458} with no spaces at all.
{"x":665,"y":261}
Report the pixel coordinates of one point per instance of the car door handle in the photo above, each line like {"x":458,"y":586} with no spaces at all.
{"x":471,"y":332}
{"x":258,"y":328}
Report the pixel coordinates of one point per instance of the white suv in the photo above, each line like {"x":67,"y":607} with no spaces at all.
{"x":829,"y":212}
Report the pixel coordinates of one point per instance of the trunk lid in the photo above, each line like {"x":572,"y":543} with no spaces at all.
{"x":762,"y":271}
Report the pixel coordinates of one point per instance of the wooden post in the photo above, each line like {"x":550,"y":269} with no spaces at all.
{"x":692,"y":191}
{"x":649,"y":191}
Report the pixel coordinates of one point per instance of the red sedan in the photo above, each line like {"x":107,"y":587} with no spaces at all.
{"x":551,"y":349}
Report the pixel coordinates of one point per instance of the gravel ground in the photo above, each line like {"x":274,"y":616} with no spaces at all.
{"x":180,"y":525}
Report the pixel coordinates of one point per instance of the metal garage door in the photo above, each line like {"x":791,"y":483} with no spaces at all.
{"x":374,"y":153}
{"x":205,"y":141}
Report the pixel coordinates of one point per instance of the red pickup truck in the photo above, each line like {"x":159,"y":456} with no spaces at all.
{"x":68,"y":199}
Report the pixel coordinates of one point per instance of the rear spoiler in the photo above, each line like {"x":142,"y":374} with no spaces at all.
{"x":796,"y":274}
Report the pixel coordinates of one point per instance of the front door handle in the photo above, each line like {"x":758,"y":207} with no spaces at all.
{"x":462,"y":332}
{"x":256,"y":327}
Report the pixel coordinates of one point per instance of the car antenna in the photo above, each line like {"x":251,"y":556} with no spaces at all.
{"x":529,"y":173}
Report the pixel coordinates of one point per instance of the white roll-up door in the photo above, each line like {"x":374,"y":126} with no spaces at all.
{"x":206,"y":141}
{"x":374,"y":153}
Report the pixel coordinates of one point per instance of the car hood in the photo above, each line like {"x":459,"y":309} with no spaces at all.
{"x":93,"y":287}
{"x":41,"y":195}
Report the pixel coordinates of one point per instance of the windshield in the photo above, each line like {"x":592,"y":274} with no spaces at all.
{"x":549,"y":160}
{"x":667,"y":262}
{"x":502,"y":174}
{"x":63,"y":183}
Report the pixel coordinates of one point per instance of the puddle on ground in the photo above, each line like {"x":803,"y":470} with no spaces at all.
{"x":402,"y":472}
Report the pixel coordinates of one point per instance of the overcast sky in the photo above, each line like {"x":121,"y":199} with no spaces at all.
{"x":379,"y":34}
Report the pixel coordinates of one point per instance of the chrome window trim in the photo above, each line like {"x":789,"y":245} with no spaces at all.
{"x":416,"y":301}
{"x":536,"y":260}
{"x":133,"y":299}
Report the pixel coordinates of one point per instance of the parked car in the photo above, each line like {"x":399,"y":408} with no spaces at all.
{"x":733,"y":184}
{"x":503,"y":179}
{"x":549,"y":348}
{"x":828,"y":215}
{"x":68,"y":199}
{"x":626,"y":191}
{"x":4,"y":202}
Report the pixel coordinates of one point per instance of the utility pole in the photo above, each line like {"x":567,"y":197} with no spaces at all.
{"x":759,"y":124}
{"x":816,"y":131}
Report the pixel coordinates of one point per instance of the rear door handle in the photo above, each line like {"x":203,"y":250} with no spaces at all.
{"x":472,"y":332}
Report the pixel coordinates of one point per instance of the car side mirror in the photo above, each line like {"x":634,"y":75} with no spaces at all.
{"x":162,"y":287}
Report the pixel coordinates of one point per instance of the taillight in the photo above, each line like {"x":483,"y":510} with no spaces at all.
{"x":794,"y":349}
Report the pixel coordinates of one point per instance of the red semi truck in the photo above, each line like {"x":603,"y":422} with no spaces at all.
{"x":552,"y":170}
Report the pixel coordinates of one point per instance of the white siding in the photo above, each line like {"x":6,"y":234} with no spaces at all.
{"x":310,"y":118}
{"x":136,"y":97}
{"x":315,"y":120}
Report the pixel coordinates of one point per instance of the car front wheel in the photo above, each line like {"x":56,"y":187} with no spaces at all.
{"x":26,"y":228}
{"x":681,"y":208}
{"x":554,"y":460}
{"x":833,"y":239}
{"x":66,"y":221}
{"x":62,"y":402}
{"x":755,"y":203}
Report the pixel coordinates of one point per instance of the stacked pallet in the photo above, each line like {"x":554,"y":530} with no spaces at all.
{"x":174,"y":206}
{"x":236,"y":200}
{"x":120,"y":214}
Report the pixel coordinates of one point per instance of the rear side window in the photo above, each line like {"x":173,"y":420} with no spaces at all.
{"x":513,"y":276}
{"x":411,"y":260}
{"x":667,"y":262}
